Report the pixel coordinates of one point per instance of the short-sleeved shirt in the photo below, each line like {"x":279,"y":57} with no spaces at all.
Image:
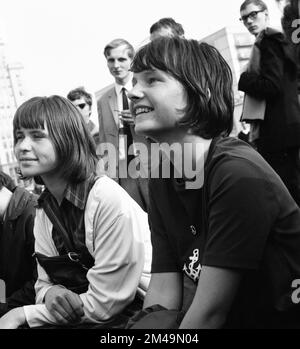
{"x":243,"y":218}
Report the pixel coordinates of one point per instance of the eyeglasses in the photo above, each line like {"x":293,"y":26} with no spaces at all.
{"x":81,"y":105}
{"x":252,"y":15}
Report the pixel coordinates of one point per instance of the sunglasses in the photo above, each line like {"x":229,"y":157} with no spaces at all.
{"x":81,"y":105}
{"x":252,"y":15}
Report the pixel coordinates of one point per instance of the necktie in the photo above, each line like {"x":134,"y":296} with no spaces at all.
{"x":126,"y":127}
{"x":125,"y":99}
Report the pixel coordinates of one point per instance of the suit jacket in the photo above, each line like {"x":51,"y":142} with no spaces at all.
{"x":277,"y":84}
{"x":109,"y":134}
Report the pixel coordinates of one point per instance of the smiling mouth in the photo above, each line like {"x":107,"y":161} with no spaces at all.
{"x":142,"y":110}
{"x":27,"y":160}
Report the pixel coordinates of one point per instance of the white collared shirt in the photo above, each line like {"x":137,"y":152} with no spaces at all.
{"x":118,"y":237}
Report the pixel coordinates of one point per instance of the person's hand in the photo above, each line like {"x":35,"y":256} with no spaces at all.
{"x":13,"y":319}
{"x":126,"y":117}
{"x":65,"y":305}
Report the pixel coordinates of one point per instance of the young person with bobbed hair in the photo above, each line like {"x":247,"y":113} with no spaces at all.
{"x":233,"y":229}
{"x":92,"y":243}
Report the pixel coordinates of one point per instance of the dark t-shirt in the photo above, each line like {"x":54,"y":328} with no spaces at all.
{"x":243,"y":218}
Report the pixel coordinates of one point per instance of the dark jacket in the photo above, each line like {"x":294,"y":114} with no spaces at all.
{"x":277,"y":84}
{"x":17,"y":266}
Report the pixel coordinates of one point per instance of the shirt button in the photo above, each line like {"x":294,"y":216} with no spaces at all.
{"x":193,"y":230}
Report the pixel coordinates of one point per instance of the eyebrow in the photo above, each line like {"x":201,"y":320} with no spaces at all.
{"x":150,"y":71}
{"x":147,"y":71}
{"x":116,"y":59}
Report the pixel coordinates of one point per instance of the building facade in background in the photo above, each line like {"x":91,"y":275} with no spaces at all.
{"x":236,"y":48}
{"x":12,"y":94}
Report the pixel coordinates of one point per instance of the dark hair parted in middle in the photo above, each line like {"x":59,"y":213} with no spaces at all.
{"x":74,"y":146}
{"x":203,"y":72}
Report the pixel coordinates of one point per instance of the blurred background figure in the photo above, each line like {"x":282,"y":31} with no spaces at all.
{"x":17,"y":265}
{"x":83,"y":102}
{"x":290,"y":21}
{"x":271,"y":103}
{"x":166,"y":26}
{"x":116,"y":124}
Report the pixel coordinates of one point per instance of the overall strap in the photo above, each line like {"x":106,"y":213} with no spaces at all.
{"x":59,"y":227}
{"x":61,"y":231}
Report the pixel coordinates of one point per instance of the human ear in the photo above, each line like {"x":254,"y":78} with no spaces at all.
{"x":267,"y":14}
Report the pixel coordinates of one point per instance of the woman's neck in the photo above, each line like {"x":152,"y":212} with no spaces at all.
{"x":188,"y":155}
{"x":192,"y":148}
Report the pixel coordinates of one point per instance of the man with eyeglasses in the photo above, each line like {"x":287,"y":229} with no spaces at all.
{"x":270,"y":103}
{"x":83,"y":102}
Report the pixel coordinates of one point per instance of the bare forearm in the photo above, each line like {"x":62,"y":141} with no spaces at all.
{"x":202,"y":320}
{"x":165,"y":289}
{"x":154,"y":297}
{"x":215,"y":293}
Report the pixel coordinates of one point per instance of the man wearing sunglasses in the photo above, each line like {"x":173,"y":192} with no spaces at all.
{"x":270,"y":103}
{"x":83,"y":102}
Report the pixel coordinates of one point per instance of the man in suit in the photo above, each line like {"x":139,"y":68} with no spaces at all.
{"x":118,"y":141}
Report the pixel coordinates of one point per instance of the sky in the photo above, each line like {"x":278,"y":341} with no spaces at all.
{"x":60,"y":42}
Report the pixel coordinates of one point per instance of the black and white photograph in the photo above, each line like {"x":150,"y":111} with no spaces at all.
{"x":149,"y":168}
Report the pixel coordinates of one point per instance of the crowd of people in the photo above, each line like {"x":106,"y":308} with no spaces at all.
{"x":105,"y":246}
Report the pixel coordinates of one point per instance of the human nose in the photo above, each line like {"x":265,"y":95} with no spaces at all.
{"x":24,"y":144}
{"x":135,"y":93}
{"x":116,"y":64}
{"x":248,"y":20}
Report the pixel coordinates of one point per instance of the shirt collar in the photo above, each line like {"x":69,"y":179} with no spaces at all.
{"x":76,"y":194}
{"x":118,"y":87}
